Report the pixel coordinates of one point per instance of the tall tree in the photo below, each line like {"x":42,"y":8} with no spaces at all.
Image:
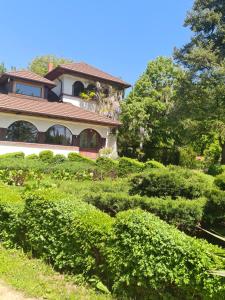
{"x":146,"y":111}
{"x":202,"y":96}
{"x":39,"y":64}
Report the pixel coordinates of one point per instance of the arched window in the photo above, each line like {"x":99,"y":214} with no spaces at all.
{"x":59,"y":135}
{"x":89,"y":138}
{"x":78,"y":88}
{"x":22,"y":131}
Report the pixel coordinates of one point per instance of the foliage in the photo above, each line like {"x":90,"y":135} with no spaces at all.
{"x":220,"y":181}
{"x":59,"y":158}
{"x":32,"y":156}
{"x":12,"y":155}
{"x":73,"y":156}
{"x":214,"y":212}
{"x":128,"y":166}
{"x":187,"y":157}
{"x":13,"y":177}
{"x":2,"y":68}
{"x":106,"y":167}
{"x":39,"y":64}
{"x":46,"y":155}
{"x":149,"y":259}
{"x":146,"y":112}
{"x":153,"y":164}
{"x":182,"y":213}
{"x":175,"y":183}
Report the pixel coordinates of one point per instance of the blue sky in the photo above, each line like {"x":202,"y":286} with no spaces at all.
{"x":118,"y":36}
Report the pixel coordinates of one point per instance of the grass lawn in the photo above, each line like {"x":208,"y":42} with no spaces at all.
{"x":36,"y":279}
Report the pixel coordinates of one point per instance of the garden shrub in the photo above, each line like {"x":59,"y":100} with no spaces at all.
{"x":220,"y":181}
{"x":105,"y":167}
{"x":153,"y":164}
{"x":216,"y":169}
{"x":13,"y":177}
{"x":182,"y":213}
{"x":46,"y":155}
{"x":175,"y":182}
{"x":128,"y":166}
{"x":149,"y":259}
{"x":187,"y":157}
{"x":12,"y":155}
{"x":11,"y":205}
{"x":214,"y":212}
{"x":76,"y":157}
{"x":68,"y":233}
{"x":32,"y":156}
{"x":59,"y":158}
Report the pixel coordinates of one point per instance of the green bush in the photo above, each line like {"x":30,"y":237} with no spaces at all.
{"x":32,"y":156}
{"x":13,"y":177}
{"x":216,"y":169}
{"x":176,"y":182}
{"x":182,"y":213}
{"x":46,"y":155}
{"x":187,"y":157}
{"x":149,"y":259}
{"x":11,"y":205}
{"x":128,"y":166}
{"x":12,"y":155}
{"x":105,"y":167}
{"x":153,"y":164}
{"x":220,"y":181}
{"x":59,"y":158}
{"x":76,"y":157}
{"x":68,"y":233}
{"x":214,"y":212}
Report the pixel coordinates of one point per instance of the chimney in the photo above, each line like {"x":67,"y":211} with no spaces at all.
{"x":50,"y":66}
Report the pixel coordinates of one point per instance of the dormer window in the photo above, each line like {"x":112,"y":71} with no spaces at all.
{"x":28,"y":89}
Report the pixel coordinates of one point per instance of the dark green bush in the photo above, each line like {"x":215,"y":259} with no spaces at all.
{"x":176,"y":182}
{"x":182,"y":213}
{"x":68,"y":233}
{"x":11,"y":205}
{"x":153,"y":164}
{"x":220,"y":181}
{"x":149,"y":259}
{"x":76,"y":157}
{"x":187,"y":157}
{"x":46,"y":155}
{"x":12,"y":155}
{"x":214,"y":212}
{"x":128,"y":166}
{"x":216,"y":169}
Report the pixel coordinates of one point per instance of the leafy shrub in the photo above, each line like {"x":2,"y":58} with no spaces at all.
{"x":129,"y":166}
{"x":153,"y":164}
{"x":76,"y":157}
{"x":187,"y":157}
{"x":182,"y":213}
{"x":46,"y":155}
{"x":12,"y":155}
{"x":149,"y":259}
{"x":68,"y":233}
{"x":13,"y":177}
{"x":175,"y":183}
{"x":59,"y":158}
{"x":220,"y":181}
{"x":105,"y":167}
{"x":32,"y":156}
{"x":214,"y":212}
{"x":216,"y":169}
{"x":11,"y":205}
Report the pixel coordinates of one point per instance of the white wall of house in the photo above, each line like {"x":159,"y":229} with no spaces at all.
{"x":43,"y":124}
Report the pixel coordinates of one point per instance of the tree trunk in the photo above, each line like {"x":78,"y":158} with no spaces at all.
{"x":223,"y":154}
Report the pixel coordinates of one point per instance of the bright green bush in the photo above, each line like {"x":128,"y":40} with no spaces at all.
{"x":214,"y":212}
{"x":12,"y":155}
{"x":46,"y":155}
{"x":11,"y":205}
{"x":76,"y":157}
{"x":105,"y":167}
{"x":182,"y":213}
{"x":68,"y":233}
{"x":153,"y":164}
{"x":220,"y":181}
{"x":176,"y":182}
{"x":32,"y":156}
{"x":13,"y":177}
{"x":59,"y":158}
{"x":149,"y":259}
{"x":128,"y":166}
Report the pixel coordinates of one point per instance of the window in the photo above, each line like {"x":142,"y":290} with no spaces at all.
{"x":78,"y":88}
{"x":59,"y":135}
{"x":89,"y":138}
{"x":22,"y":131}
{"x":28,"y":90}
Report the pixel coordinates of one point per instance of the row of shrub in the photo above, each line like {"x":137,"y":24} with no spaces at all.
{"x":136,"y":255}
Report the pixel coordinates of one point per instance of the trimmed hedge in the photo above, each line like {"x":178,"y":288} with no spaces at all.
{"x":76,"y":157}
{"x":149,"y":259}
{"x":182,"y":213}
{"x":154,"y":164}
{"x":128,"y":166}
{"x":12,"y":155}
{"x":69,"y":234}
{"x":175,"y":183}
{"x":214,"y":212}
{"x":46,"y":155}
{"x":11,"y":205}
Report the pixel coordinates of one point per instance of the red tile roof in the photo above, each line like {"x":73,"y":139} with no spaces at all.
{"x":28,"y":75}
{"x":82,"y":68}
{"x":64,"y":111}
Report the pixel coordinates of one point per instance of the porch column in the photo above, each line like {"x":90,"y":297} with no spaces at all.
{"x":41,"y":137}
{"x":3,"y":132}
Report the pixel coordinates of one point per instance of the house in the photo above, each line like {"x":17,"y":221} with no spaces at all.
{"x":75,"y":107}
